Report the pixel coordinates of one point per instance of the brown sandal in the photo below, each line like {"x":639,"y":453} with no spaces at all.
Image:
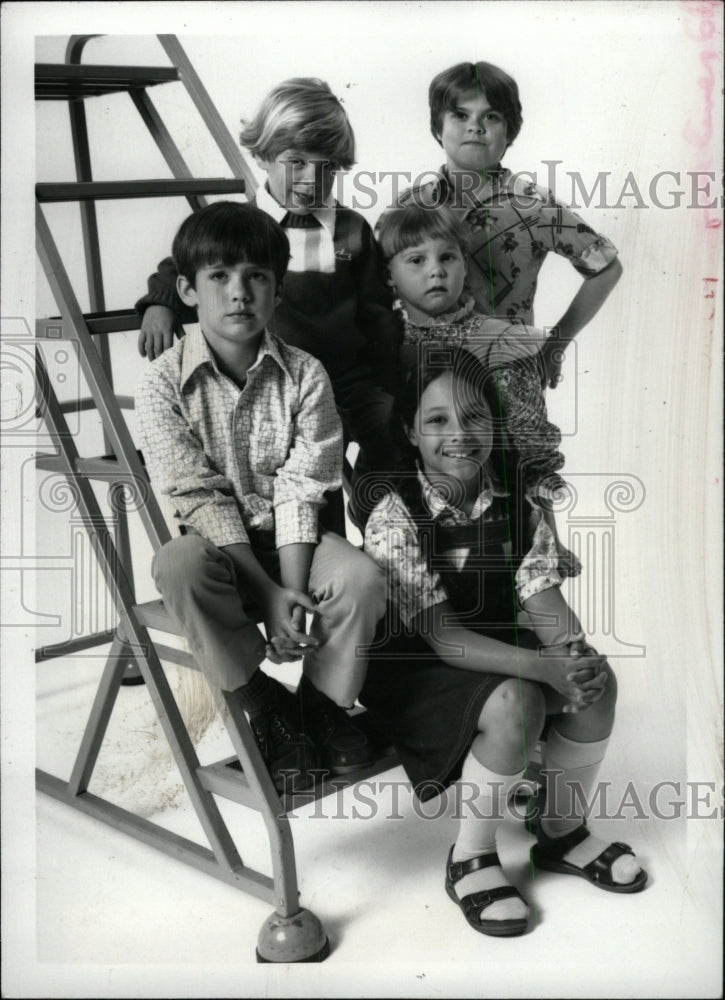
{"x":474,"y":904}
{"x":548,"y":854}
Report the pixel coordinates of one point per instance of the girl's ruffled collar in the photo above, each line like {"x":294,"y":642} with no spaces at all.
{"x":463,"y":311}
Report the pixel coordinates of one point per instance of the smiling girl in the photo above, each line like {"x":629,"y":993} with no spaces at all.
{"x":454,"y":681}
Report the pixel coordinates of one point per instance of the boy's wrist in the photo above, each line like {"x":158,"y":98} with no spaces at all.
{"x":295,"y":561}
{"x":250,"y":573}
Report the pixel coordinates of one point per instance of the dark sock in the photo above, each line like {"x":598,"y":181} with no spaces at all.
{"x":258,"y":693}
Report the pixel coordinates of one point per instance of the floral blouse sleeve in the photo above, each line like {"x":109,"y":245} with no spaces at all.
{"x":391,"y":540}
{"x":539,"y":569}
{"x":567,"y":234}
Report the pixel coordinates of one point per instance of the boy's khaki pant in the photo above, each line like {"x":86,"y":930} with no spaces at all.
{"x":198,"y":584}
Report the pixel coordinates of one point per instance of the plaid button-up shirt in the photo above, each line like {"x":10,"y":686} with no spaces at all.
{"x":230,"y":459}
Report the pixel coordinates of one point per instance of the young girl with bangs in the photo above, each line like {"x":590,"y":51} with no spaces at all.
{"x":455,"y":681}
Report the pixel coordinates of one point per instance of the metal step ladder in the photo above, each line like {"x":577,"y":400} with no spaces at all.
{"x":291,"y":933}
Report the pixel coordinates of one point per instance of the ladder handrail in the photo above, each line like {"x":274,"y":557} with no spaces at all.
{"x":196,"y":90}
{"x":75,"y":46}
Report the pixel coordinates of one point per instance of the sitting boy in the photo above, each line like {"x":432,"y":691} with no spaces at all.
{"x":240,"y":431}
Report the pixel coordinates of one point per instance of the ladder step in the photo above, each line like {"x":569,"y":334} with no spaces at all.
{"x":175,"y":655}
{"x":63,"y":81}
{"x":105,"y":467}
{"x":226,"y":778}
{"x":107,"y":190}
{"x":153,"y":614}
{"x":114,"y":321}
{"x":74,"y":645}
{"x":88,"y":403}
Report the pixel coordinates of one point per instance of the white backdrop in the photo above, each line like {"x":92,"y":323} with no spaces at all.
{"x":624,"y":88}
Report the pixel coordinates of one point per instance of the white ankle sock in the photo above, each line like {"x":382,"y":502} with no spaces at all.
{"x":577,"y":764}
{"x":484,"y":796}
{"x":569,"y":762}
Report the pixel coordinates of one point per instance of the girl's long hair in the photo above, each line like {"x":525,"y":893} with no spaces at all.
{"x":474,"y":382}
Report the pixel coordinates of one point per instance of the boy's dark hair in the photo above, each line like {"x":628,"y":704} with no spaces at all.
{"x":227,"y":232}
{"x":305,"y":115}
{"x":502,"y":91}
{"x":400,"y":228}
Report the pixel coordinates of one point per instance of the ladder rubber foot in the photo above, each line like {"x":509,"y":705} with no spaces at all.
{"x":132,"y":675}
{"x":299,"y":938}
{"x":132,"y":681}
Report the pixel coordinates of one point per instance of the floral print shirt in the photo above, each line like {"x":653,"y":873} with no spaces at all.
{"x":392,"y":541}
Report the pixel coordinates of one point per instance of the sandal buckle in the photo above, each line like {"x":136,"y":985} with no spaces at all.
{"x":455,"y":872}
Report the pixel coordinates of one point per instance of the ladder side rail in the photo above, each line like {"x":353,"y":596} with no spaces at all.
{"x":269,"y":803}
{"x":89,"y":221}
{"x":91,"y":245}
{"x":96,"y":291}
{"x":138,"y":639}
{"x":111,"y":414}
{"x":162,"y":137}
{"x":94,"y":277}
{"x":211,"y":117}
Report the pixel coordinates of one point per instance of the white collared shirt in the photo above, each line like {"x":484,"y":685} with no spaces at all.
{"x":310,"y":249}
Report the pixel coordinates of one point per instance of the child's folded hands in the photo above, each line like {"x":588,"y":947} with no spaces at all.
{"x":582,"y":683}
{"x":590,"y":676}
{"x":284,"y":619}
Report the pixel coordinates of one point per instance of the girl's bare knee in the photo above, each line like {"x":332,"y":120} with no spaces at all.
{"x":513,"y":706}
